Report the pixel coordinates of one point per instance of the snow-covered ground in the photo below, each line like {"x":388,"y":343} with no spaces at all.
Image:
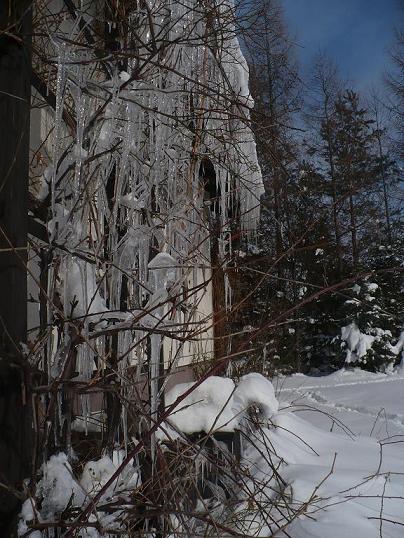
{"x":341,"y":438}
{"x":348,"y":400}
{"x":328,"y":462}
{"x":323,"y":458}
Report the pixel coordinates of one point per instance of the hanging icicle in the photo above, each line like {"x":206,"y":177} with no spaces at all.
{"x":130,"y":224}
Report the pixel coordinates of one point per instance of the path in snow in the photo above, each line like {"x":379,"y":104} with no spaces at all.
{"x":355,"y":401}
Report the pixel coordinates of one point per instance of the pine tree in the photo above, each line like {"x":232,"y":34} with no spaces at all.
{"x":365,"y":334}
{"x":356,"y":171}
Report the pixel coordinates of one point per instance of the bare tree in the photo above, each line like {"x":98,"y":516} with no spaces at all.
{"x":276,"y":88}
{"x":395,"y":81}
{"x":325,"y":88}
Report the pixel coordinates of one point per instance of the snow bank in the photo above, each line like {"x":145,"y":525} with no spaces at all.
{"x":364,"y":484}
{"x":334,"y":484}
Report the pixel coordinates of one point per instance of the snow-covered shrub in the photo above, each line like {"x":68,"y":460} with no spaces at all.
{"x":61,"y":494}
{"x":365,"y":337}
{"x":218,"y":404}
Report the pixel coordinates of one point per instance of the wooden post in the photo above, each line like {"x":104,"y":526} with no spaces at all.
{"x":15,"y":417}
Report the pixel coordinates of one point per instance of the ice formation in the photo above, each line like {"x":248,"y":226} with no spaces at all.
{"x":132,"y":212}
{"x":130,"y":220}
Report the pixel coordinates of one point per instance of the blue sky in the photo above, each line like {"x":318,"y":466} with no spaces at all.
{"x":355,"y":33}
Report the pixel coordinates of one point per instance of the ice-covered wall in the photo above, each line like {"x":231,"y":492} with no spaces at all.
{"x":125,"y":188}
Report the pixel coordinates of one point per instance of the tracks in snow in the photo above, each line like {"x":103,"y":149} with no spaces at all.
{"x":310,"y":393}
{"x":386,"y":379}
{"x":374,"y":413}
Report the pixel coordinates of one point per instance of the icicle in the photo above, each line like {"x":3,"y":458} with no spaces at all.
{"x":80,"y":153}
{"x":155,"y":349}
{"x":60,"y":97}
{"x":139,"y":147}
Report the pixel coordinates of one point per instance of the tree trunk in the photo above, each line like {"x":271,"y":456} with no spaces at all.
{"x":334,"y":193}
{"x":15,"y":416}
{"x":385,"y":190}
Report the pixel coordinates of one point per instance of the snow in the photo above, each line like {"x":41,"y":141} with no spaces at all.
{"x":28,"y":514}
{"x":326,"y":450}
{"x":399,"y":347}
{"x":218,"y":404}
{"x":337,"y":468}
{"x":207,"y":408}
{"x":372,"y":286}
{"x":337,"y":483}
{"x":358,"y":343}
{"x":124,"y":76}
{"x":356,"y":289}
{"x":364,"y":403}
{"x":97,"y":473}
{"x":60,"y":488}
{"x":255,"y":389}
{"x":338,"y":493}
{"x":57,"y":488}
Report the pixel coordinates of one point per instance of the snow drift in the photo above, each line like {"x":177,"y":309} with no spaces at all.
{"x":304,"y":481}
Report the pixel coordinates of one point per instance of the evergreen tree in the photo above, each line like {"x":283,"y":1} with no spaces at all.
{"x":365,"y":336}
{"x":356,"y":170}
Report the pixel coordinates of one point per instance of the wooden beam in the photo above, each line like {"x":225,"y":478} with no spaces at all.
{"x":15,"y":97}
